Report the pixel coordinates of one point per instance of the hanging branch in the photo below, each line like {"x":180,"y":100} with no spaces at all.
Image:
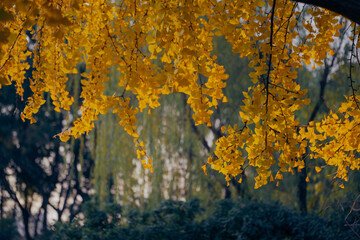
{"x":270,"y":56}
{"x":350,"y":69}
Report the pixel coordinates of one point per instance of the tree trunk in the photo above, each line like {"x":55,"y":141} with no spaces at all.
{"x":1,"y":203}
{"x":302,"y":192}
{"x":227,"y":193}
{"x":26,"y":216}
{"x":347,"y":8}
{"x":302,"y":184}
{"x":44,"y":223}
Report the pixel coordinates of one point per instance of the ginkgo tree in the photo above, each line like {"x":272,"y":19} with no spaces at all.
{"x":165,"y":47}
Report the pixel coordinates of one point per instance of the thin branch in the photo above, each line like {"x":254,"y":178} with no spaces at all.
{"x":347,"y":223}
{"x":350,"y":69}
{"x":11,"y":48}
{"x":15,"y":41}
{"x":270,"y":56}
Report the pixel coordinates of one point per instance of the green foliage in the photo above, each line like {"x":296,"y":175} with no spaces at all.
{"x":254,"y":220}
{"x":172,"y":220}
{"x":98,"y":224}
{"x":8,"y":229}
{"x":230,"y":220}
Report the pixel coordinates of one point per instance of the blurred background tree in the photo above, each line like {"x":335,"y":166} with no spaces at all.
{"x":42,"y":180}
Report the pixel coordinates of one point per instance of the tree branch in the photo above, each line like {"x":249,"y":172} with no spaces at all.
{"x":348,"y":8}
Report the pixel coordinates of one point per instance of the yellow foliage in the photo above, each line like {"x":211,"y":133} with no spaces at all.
{"x":164,"y":47}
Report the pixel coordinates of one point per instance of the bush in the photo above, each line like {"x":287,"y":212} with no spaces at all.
{"x":178,"y":220}
{"x":8,"y":229}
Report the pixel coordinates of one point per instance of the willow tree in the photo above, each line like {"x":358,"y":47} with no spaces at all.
{"x":163,"y":47}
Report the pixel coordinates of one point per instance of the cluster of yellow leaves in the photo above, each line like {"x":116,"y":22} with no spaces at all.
{"x":229,"y":157}
{"x":158,"y":48}
{"x":336,"y":139}
{"x":266,"y":33}
{"x":162,"y":47}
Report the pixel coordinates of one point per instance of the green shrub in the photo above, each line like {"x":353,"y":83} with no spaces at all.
{"x":230,"y":220}
{"x":8,"y":229}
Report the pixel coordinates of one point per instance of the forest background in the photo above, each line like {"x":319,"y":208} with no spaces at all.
{"x":44,"y":180}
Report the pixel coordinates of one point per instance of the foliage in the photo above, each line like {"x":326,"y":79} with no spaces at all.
{"x":8,"y":229}
{"x":161,"y":48}
{"x":172,"y":220}
{"x":38,"y":173}
{"x":182,"y":220}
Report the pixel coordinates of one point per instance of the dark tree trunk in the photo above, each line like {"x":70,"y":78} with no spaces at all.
{"x":227,"y":193}
{"x":347,"y":8}
{"x":26,"y":216}
{"x":302,"y":192}
{"x":44,"y":223}
{"x":1,"y":203}
{"x":302,"y":184}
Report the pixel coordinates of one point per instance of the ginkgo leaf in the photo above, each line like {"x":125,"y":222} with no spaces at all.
{"x":64,"y":137}
{"x":307,"y":61}
{"x":4,"y":81}
{"x":331,"y":52}
{"x":152,"y":48}
{"x":271,"y":178}
{"x":223,"y":129}
{"x":204,"y":169}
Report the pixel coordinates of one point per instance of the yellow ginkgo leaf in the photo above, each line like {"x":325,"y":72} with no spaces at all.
{"x":204,"y":169}
{"x":331,"y":52}
{"x":4,"y":81}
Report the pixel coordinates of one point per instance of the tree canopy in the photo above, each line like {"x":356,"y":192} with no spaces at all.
{"x":166,"y":47}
